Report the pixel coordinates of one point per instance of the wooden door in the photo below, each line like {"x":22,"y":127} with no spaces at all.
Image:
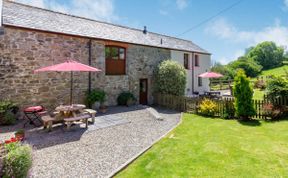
{"x":143,"y":91}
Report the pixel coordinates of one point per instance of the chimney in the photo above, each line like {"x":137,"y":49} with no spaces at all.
{"x":145,"y":30}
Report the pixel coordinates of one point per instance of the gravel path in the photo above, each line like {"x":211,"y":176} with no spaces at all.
{"x":97,"y":153}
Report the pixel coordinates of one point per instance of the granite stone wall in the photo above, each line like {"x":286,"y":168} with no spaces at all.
{"x":22,"y":51}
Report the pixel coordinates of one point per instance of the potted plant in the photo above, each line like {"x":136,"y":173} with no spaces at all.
{"x":20,"y":134}
{"x":126,"y":99}
{"x":94,"y":98}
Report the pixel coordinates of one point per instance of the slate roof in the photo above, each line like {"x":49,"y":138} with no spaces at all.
{"x":25,"y":16}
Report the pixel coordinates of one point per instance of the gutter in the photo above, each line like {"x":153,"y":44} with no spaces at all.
{"x":1,"y":19}
{"x":90,"y":63}
{"x":193,"y":73}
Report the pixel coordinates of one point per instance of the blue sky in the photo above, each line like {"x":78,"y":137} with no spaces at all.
{"x":226,"y":36}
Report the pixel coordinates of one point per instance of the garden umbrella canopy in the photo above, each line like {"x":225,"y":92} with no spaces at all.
{"x":69,"y":66}
{"x":210,"y":75}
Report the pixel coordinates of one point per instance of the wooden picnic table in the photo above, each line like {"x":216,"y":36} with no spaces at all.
{"x":63,"y":112}
{"x":67,"y":111}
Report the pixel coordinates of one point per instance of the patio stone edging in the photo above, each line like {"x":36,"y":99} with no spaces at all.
{"x":127,"y":163}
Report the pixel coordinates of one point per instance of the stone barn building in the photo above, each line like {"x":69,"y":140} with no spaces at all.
{"x":32,"y":38}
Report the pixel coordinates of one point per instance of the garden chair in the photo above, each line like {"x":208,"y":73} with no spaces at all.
{"x":33,"y":115}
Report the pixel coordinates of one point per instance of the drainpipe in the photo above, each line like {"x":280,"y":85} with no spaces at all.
{"x":1,"y":18}
{"x":193,"y":71}
{"x":90,"y":63}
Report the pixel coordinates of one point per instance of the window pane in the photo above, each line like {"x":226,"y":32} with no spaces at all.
{"x":186,"y":61}
{"x":196,"y":60}
{"x":114,"y":53}
{"x":199,"y":81}
{"x":122,"y":53}
{"x":107,"y":52}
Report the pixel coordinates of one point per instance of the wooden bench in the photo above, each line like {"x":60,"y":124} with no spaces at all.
{"x":48,"y":122}
{"x":92,"y":113}
{"x":83,"y":117}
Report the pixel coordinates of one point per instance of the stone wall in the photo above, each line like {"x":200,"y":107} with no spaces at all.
{"x":141,"y":63}
{"x":22,"y":51}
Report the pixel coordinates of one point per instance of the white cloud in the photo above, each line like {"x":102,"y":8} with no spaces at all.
{"x":286,"y":3}
{"x":226,"y":60}
{"x":95,"y":9}
{"x":181,"y":4}
{"x":224,"y":30}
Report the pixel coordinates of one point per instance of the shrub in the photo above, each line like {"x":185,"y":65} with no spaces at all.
{"x":8,"y":118}
{"x":8,"y":110}
{"x":170,"y":78}
{"x":6,"y":106}
{"x":208,"y":107}
{"x":277,"y":87}
{"x":124,"y":97}
{"x":274,"y":112}
{"x":260,"y":84}
{"x":243,"y":93}
{"x":12,"y":146}
{"x":251,"y":68}
{"x":94,"y":96}
{"x":18,"y":162}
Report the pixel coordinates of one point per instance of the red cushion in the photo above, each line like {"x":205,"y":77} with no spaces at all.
{"x":34,"y":109}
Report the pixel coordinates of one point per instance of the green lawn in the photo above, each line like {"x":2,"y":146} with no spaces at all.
{"x":276,"y":71}
{"x":258,"y":94}
{"x":204,"y":147}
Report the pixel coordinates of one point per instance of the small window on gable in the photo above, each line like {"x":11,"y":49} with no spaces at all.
{"x":115,"y":60}
{"x":196,"y":60}
{"x":186,"y":61}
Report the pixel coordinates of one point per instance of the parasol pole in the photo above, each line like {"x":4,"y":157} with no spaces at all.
{"x":71,"y":89}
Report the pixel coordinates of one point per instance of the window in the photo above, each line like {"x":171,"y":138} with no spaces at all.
{"x":196,"y":61}
{"x":186,"y":61}
{"x":115,"y":60}
{"x":200,"y":82}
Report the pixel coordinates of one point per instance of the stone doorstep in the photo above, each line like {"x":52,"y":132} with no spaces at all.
{"x":130,"y":161}
{"x":154,"y":113}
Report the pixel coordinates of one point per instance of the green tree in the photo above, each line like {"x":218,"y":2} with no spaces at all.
{"x":170,"y":78}
{"x":277,"y":87}
{"x":251,"y":68}
{"x":224,"y":70}
{"x":267,"y":54}
{"x":243,"y":93}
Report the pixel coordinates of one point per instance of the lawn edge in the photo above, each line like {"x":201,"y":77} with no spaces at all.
{"x":130,"y":161}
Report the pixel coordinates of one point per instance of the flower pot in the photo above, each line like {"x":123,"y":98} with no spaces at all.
{"x":19,"y":136}
{"x":96,"y":105}
{"x":103,"y":109}
{"x":130,"y":102}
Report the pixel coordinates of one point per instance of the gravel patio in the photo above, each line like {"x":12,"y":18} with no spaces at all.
{"x":96,"y":152}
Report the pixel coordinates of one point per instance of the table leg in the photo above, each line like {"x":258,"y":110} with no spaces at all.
{"x":86,"y":121}
{"x":50,"y":123}
{"x":93,"y":118}
{"x":68,"y":125}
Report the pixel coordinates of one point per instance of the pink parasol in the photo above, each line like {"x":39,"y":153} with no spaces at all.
{"x":210,"y":75}
{"x":69,"y":66}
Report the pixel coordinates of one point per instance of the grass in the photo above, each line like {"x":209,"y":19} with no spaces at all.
{"x":205,"y":147}
{"x":276,"y":71}
{"x":258,"y":94}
